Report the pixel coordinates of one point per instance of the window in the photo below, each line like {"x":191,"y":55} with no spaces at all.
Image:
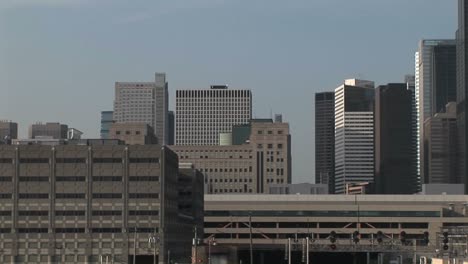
{"x":107,"y":160}
{"x":70,"y":196}
{"x":144,"y":178}
{"x":270,"y":146}
{"x":70,"y":160}
{"x":32,"y":230}
{"x":69,"y":230}
{"x":127,"y":132}
{"x":34,"y":160}
{"x":106,"y":230}
{"x":117,"y":132}
{"x":107,"y":178}
{"x":143,"y":213}
{"x":259,"y":132}
{"x":144,"y":195}
{"x":280,"y":146}
{"x":5,"y":213}
{"x":9,"y":161}
{"x":33,"y":196}
{"x":6,"y":195}
{"x":107,"y":195}
{"x":5,"y":179}
{"x":69,"y":213}
{"x":144,"y":160}
{"x":33,"y":213}
{"x":34,"y":179}
{"x":280,"y":132}
{"x":70,"y":178}
{"x":107,"y":213}
{"x":137,"y":132}
{"x":270,"y":132}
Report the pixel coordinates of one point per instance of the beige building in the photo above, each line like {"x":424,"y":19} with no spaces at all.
{"x":264,"y":159}
{"x":8,"y":131}
{"x":81,"y":204}
{"x":133,"y":133}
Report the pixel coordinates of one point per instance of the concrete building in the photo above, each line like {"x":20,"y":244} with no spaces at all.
{"x":107,"y":120}
{"x":299,"y":188}
{"x":74,"y":133}
{"x":272,"y":219}
{"x":133,"y":133}
{"x":395,"y":155}
{"x":48,"y":130}
{"x":248,"y":168}
{"x":171,"y":128}
{"x":462,"y":91}
{"x":354,"y":133}
{"x":325,"y":139}
{"x":435,"y":81}
{"x":82,"y":204}
{"x":145,"y":102}
{"x":440,"y":144}
{"x":201,"y":115}
{"x":8,"y":131}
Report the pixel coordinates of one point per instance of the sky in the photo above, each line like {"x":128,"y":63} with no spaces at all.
{"x":59,"y":59}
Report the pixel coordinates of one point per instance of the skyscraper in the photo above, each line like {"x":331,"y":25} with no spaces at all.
{"x":51,"y":130}
{"x":411,"y":86}
{"x":201,"y":115}
{"x":8,"y":131}
{"x":440,"y":145}
{"x":107,"y":120}
{"x":462,"y":90}
{"x":435,"y":81}
{"x":395,"y":166}
{"x":325,"y":138}
{"x":145,"y":102}
{"x":354,"y":133}
{"x":171,"y":128}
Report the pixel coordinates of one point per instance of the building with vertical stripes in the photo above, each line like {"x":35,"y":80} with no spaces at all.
{"x":202,"y":115}
{"x":354,"y":133}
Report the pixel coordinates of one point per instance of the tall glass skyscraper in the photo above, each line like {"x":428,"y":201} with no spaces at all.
{"x":107,"y":119}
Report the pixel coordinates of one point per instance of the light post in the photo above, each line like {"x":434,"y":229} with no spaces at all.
{"x":154,"y":239}
{"x":211,"y":242}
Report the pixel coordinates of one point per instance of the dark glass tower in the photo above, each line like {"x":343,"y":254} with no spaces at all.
{"x":325,"y":138}
{"x":462,"y":90}
{"x":395,"y":166}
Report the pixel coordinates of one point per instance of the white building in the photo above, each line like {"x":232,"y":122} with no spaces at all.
{"x":354,"y":133}
{"x":145,"y":102}
{"x":202,"y":115}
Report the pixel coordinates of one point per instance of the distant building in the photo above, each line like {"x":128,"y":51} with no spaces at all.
{"x":171,"y":128}
{"x":48,"y":130}
{"x":410,"y":81}
{"x":442,"y":188}
{"x":325,"y":139}
{"x":395,"y":155}
{"x":354,"y":133}
{"x":107,"y":120}
{"x":96,"y":201}
{"x":74,"y":133}
{"x":8,"y":131}
{"x":201,"y":115}
{"x":440,"y":144}
{"x":248,"y":168}
{"x":299,"y":188}
{"x":145,"y":102}
{"x":436,"y":81}
{"x":133,"y":133}
{"x":360,"y":188}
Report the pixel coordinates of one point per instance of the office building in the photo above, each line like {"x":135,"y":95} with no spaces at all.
{"x":171,"y":128}
{"x":299,"y":188}
{"x":133,"y":133}
{"x":8,"y":131}
{"x":107,"y":120}
{"x":325,"y":138}
{"x":440,"y":144}
{"x":82,"y":204}
{"x":201,"y":115}
{"x":48,"y":130}
{"x":410,"y":81}
{"x":249,"y":168}
{"x":145,"y":102}
{"x":462,"y":90}
{"x":395,"y":156}
{"x":435,"y":81}
{"x":354,"y":133}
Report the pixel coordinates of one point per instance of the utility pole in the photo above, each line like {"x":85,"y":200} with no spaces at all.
{"x":251,"y":247}
{"x":289,"y":250}
{"x":195,"y":242}
{"x":307,"y":250}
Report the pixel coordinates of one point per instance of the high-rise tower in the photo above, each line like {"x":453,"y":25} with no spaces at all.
{"x":325,"y":139}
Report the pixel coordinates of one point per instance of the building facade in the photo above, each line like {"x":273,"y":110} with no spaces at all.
{"x":83,"y":204}
{"x":440,"y":144}
{"x":48,"y":130}
{"x":107,"y":119}
{"x":201,"y":115}
{"x":325,"y":139}
{"x":354,"y":133}
{"x":145,"y":102}
{"x":395,"y":156}
{"x":8,"y":131}
{"x":435,"y":81}
{"x":462,"y":90}
{"x":133,"y":133}
{"x":247,"y":168}
{"x":171,"y":128}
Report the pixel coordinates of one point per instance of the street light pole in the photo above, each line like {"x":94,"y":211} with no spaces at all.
{"x":154,"y":240}
{"x":211,"y":242}
{"x":307,"y":250}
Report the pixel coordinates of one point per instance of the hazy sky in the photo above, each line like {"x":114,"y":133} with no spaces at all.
{"x":59,"y":59}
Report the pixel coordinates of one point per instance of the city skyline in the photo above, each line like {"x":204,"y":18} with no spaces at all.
{"x":283,"y":57}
